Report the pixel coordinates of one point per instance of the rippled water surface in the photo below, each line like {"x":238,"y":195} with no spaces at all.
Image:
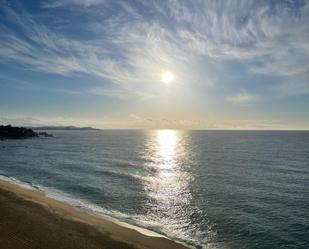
{"x":211,"y":189}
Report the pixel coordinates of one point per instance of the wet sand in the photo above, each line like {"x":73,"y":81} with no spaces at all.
{"x":29,"y":219}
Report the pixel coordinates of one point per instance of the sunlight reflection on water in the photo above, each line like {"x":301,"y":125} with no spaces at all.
{"x":167,"y":151}
{"x":168,"y":186}
{"x":165,"y":146}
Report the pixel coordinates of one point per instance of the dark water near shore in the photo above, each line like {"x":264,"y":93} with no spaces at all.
{"x":214,"y":189}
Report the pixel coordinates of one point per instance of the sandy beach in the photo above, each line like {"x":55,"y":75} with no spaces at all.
{"x":29,"y":219}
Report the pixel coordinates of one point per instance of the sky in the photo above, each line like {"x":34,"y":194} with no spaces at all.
{"x":236,"y":64}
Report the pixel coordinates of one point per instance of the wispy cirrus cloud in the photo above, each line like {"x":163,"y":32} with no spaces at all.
{"x":61,"y":3}
{"x":140,"y":40}
{"x":124,"y":57}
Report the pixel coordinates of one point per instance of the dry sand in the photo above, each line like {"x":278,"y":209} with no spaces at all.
{"x":29,"y":219}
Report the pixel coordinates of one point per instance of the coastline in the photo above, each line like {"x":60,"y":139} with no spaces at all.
{"x":65,"y":224}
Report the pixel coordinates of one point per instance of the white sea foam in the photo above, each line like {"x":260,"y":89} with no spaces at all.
{"x":16,"y":181}
{"x":138,"y":223}
{"x":58,"y":195}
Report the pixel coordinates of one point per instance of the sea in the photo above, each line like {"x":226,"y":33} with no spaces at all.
{"x":208,"y":189}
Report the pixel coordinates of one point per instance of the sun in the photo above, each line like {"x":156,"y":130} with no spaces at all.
{"x":167,"y":77}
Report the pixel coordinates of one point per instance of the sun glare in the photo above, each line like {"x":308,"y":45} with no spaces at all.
{"x":167,"y":77}
{"x":167,"y":144}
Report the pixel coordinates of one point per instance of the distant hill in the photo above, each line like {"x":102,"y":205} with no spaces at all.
{"x":63,"y":128}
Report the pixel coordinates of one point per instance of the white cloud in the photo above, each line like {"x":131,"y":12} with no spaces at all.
{"x":135,"y":117}
{"x":243,"y":98}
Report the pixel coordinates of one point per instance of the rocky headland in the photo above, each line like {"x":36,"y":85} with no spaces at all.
{"x":10,"y":132}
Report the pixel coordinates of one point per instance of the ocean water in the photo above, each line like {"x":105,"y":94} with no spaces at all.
{"x":210,"y":189}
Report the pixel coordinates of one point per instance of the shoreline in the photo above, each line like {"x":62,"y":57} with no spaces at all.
{"x":54,"y":211}
{"x":78,"y":204}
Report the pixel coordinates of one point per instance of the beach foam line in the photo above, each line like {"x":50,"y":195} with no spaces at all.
{"x":80,"y":204}
{"x":95,"y":215}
